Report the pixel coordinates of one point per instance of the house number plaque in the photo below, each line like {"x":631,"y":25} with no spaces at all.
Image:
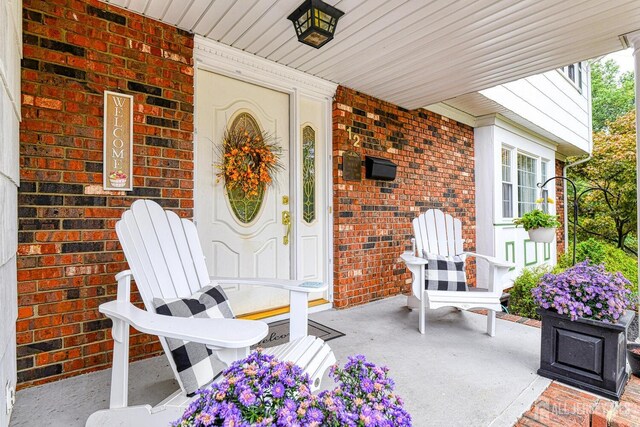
{"x":351,"y":166}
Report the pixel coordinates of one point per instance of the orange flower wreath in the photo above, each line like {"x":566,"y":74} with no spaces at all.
{"x":250,"y":160}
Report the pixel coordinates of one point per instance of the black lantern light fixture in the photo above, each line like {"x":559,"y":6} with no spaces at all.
{"x":315,"y":22}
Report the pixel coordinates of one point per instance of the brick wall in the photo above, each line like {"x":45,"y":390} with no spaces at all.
{"x":10,"y":17}
{"x":560,"y":207}
{"x":68,"y":252}
{"x":372,"y":225}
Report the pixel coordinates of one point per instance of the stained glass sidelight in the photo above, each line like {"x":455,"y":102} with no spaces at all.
{"x":308,"y":174}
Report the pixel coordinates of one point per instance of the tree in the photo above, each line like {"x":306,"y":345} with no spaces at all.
{"x":612,"y":93}
{"x":610,"y":215}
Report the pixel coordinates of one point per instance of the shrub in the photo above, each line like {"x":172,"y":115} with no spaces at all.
{"x":614,"y":259}
{"x":584,"y":291}
{"x":590,"y":249}
{"x":521,"y":301}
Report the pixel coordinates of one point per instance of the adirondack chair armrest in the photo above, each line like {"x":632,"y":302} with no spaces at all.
{"x":497,"y":271}
{"x":411,"y":260}
{"x":219,"y":333}
{"x":286,"y":284}
{"x":491,"y":260}
{"x":298,"y":299}
{"x":416,"y":266}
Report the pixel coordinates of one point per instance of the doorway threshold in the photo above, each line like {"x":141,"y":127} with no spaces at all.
{"x":278,"y":313}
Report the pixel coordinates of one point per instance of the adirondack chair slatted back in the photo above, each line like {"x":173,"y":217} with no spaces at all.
{"x":437,"y":233}
{"x":163,"y":252}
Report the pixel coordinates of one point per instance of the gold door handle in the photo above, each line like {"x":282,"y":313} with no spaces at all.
{"x":286,"y":220}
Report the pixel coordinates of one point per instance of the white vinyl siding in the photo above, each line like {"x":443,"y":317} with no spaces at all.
{"x":527,"y":173}
{"x":550,"y":101}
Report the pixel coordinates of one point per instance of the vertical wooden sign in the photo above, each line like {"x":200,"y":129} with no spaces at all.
{"x":117,"y":167}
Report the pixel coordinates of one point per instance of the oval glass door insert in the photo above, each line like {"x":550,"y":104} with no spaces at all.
{"x":245,"y":207}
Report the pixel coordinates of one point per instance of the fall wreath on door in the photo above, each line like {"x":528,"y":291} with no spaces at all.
{"x":250,"y":161}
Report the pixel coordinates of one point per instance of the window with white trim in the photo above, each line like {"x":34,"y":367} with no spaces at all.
{"x":573,"y":72}
{"x":544,"y":168}
{"x":527,"y":190}
{"x":507,"y":184}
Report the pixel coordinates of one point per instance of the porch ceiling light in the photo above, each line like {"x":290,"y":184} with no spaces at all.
{"x":315,"y":22}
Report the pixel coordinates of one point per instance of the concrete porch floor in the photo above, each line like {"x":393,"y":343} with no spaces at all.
{"x":454,"y":375}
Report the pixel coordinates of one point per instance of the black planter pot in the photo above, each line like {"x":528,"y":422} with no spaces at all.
{"x":584,"y":353}
{"x":633,"y":355}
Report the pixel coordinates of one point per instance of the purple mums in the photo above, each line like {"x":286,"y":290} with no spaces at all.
{"x":261,"y":391}
{"x":363,"y":397}
{"x":586,"y":291}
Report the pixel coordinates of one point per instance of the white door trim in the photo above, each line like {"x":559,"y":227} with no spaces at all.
{"x":216,"y":57}
{"x":236,"y":63}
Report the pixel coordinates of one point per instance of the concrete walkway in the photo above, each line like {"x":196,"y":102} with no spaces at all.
{"x":454,"y":375}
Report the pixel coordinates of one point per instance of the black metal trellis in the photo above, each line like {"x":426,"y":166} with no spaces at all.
{"x":576,"y":200}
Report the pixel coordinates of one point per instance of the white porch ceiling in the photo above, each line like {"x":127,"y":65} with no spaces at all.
{"x":414,"y":52}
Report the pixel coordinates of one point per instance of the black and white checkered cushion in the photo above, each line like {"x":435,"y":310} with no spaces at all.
{"x":195,"y":362}
{"x":445,"y":273}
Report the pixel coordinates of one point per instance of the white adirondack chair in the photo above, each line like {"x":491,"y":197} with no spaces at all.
{"x":437,"y":233}
{"x":166,"y":261}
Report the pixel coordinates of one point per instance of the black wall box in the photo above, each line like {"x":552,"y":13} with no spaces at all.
{"x":381,"y":169}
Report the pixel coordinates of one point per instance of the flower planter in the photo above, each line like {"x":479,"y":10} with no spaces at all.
{"x":588,"y":354}
{"x":118,"y":182}
{"x":633,"y":355}
{"x":542,"y":235}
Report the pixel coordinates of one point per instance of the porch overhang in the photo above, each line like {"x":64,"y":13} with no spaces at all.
{"x":477,"y":109}
{"x":414,"y":53}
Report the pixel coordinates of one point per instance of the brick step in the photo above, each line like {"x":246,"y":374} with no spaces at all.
{"x":560,"y":405}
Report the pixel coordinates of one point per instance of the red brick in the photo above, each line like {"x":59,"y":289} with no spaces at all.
{"x":24,"y":312}
{"x":57,"y":236}
{"x":54,"y":104}
{"x":61,"y":142}
{"x":632,"y":391}
{"x":372,"y":220}
{"x":38,"y":249}
{"x":626,"y":415}
{"x":601,"y":413}
{"x":47,"y":358}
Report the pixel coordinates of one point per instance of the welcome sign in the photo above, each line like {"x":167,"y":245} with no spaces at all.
{"x":117,"y":169}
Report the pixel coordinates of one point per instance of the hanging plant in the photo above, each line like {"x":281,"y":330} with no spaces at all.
{"x":250,"y":161}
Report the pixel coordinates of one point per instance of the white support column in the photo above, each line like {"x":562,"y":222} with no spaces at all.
{"x":634,"y":41}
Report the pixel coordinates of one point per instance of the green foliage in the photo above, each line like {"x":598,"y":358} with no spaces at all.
{"x":612,"y":93}
{"x":609,"y":215}
{"x":614,"y":259}
{"x":537,"y":219}
{"x":618,"y":260}
{"x":590,"y":249}
{"x":520,"y":300}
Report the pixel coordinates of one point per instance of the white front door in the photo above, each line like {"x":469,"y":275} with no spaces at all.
{"x":241,"y":239}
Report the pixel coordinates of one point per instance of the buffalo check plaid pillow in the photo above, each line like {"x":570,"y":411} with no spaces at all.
{"x":445,"y":273}
{"x":195,"y":362}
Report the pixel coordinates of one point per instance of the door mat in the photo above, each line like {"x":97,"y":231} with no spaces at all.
{"x":279,"y":333}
